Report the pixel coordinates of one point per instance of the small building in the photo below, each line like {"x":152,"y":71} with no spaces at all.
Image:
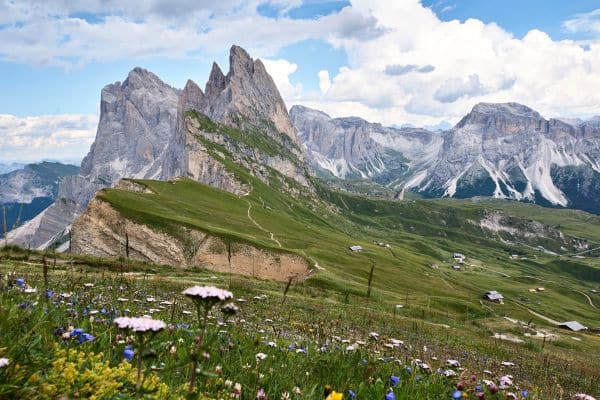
{"x":458,"y":256}
{"x":456,"y":267}
{"x":540,"y":289}
{"x":382,"y":244}
{"x":514,"y":257}
{"x":594,"y":291}
{"x":494,"y":296}
{"x":533,"y":290}
{"x":356,"y":249}
{"x":573,"y":326}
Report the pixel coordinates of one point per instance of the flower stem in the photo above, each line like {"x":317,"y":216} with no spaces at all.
{"x":139,"y":361}
{"x":196,"y":352}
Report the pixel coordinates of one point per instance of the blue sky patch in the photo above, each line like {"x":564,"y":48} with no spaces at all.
{"x":516,"y":16}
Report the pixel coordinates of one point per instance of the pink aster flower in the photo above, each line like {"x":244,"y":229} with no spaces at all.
{"x":209,"y":293}
{"x":140,"y":324}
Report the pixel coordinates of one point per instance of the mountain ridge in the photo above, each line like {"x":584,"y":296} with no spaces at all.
{"x":146,"y":130}
{"x":502,"y":150}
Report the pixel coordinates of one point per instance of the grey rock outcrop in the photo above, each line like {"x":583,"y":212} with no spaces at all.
{"x":145,"y":132}
{"x":511,"y":151}
{"x":137,"y":119}
{"x":500,"y":150}
{"x":26,"y":192}
{"x":354,"y":148}
{"x":248,"y":97}
{"x":32,"y":181}
{"x":22,"y":186}
{"x":245,"y":99}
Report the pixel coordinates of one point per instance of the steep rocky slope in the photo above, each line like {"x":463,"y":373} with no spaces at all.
{"x":511,"y":151}
{"x":354,"y":148}
{"x":102,"y":231}
{"x":499,"y":150}
{"x":137,"y":118}
{"x":25,"y":192}
{"x":148,"y":129}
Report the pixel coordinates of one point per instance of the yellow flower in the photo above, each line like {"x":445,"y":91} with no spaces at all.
{"x":335,"y":396}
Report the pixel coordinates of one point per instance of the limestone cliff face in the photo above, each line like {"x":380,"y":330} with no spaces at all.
{"x":510,"y":151}
{"x":351,"y":147}
{"x":245,"y":99}
{"x":247,"y":96}
{"x":101,"y":231}
{"x":137,"y":119}
{"x":505,"y":150}
{"x":144,"y":132}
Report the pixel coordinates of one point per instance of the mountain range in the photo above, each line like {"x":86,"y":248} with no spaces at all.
{"x":239,"y":128}
{"x":148,"y":129}
{"x":499,"y":150}
{"x":27,"y":190}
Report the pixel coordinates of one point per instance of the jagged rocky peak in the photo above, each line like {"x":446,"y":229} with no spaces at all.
{"x":240,"y":62}
{"x":216,"y":83}
{"x":247,"y":95}
{"x":298,"y":110}
{"x":351,"y":147}
{"x":192,"y":97}
{"x":137,"y":118}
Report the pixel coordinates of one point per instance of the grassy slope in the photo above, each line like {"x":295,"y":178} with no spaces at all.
{"x":421,"y":232}
{"x":415,"y":230}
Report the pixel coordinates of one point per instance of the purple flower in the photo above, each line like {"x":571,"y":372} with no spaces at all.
{"x":524,"y":393}
{"x":261,"y":395}
{"x":128,"y":353}
{"x":85,"y":337}
{"x":457,"y":394}
{"x":351,"y":394}
{"x":20,"y":281}
{"x":77,"y":332}
{"x":395,"y":380}
{"x":390,"y":396}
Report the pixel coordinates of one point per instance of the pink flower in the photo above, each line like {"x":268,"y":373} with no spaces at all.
{"x":261,"y":395}
{"x":141,"y":324}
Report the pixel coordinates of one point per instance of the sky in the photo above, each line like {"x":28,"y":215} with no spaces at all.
{"x":398,"y":62}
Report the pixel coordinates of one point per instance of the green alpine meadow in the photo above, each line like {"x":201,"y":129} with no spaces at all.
{"x":356,"y":200}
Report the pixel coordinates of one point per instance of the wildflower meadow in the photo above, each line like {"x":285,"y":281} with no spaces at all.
{"x":74,"y":331}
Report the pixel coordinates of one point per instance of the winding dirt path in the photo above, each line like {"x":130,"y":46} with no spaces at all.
{"x":271,"y":235}
{"x":589,"y":299}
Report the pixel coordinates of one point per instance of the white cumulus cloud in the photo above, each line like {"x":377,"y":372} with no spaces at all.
{"x":324,"y":81}
{"x":280,"y":71}
{"x":405,"y":65}
{"x":53,"y":137}
{"x":464,"y":63}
